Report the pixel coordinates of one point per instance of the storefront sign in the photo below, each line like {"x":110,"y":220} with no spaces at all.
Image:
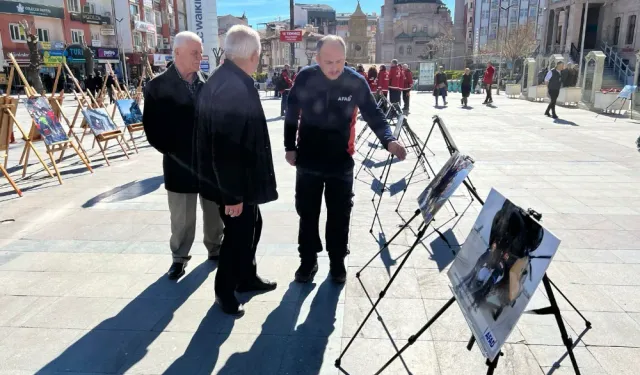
{"x":74,"y":54}
{"x":22,"y":57}
{"x":147,"y":4}
{"x":89,"y":18}
{"x":96,"y":43}
{"x":14,"y":7}
{"x":160,"y":59}
{"x":106,"y":55}
{"x":291,"y":36}
{"x":52,"y":58}
{"x":202,"y":19}
{"x":426,"y":75}
{"x":204,"y":64}
{"x":52,"y":45}
{"x":108,"y":30}
{"x":145,"y":26}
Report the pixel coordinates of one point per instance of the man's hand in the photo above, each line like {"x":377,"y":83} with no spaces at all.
{"x":291,"y":157}
{"x":396,"y":149}
{"x":233,"y":211}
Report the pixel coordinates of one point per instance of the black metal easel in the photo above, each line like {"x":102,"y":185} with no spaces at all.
{"x":552,"y":309}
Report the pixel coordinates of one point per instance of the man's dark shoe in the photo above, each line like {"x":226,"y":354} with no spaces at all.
{"x":306,"y":271}
{"x":176,"y":271}
{"x":214,"y":255}
{"x":257,"y":285}
{"x":547,"y":114}
{"x":338,"y":271}
{"x":554,"y":117}
{"x":230,"y":306}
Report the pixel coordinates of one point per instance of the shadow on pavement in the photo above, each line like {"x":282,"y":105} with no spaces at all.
{"x":127,"y":191}
{"x":118,"y":343}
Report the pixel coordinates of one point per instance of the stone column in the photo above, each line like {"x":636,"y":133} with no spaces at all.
{"x":556,"y":17}
{"x":634,"y":101}
{"x":531,"y":72}
{"x":563,"y":38}
{"x":598,"y":57}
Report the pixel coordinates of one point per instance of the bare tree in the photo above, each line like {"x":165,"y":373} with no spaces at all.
{"x":520,"y":42}
{"x":35,"y":60}
{"x":490,"y":49}
{"x":217,"y":53}
{"x":443,"y":44}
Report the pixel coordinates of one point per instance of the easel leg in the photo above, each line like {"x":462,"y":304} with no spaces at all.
{"x":102,"y":149}
{"x":85,"y":161}
{"x":423,"y":228}
{"x":55,"y":166}
{"x":122,"y":146}
{"x":492,"y":365}
{"x":133,"y":140}
{"x":386,"y":169}
{"x":587,"y":323}
{"x":13,"y":184}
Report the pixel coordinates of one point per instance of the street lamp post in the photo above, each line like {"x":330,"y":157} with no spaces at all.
{"x":584,"y":29}
{"x":502,"y":44}
{"x":310,"y":55}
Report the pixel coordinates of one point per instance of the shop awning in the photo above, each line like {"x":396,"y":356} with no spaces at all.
{"x":107,"y":61}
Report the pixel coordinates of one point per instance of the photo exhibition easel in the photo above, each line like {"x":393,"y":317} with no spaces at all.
{"x":29,"y":139}
{"x":131,"y":128}
{"x":7,"y":103}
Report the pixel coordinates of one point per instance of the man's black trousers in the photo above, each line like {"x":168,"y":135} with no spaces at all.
{"x":488,"y":97}
{"x":237,"y":264}
{"x":553,"y":95}
{"x":338,"y":196}
{"x":394,"y":95}
{"x":405,"y":99}
{"x":283,"y":102}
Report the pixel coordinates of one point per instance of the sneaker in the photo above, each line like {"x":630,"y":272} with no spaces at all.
{"x":306,"y":271}
{"x":338,"y":271}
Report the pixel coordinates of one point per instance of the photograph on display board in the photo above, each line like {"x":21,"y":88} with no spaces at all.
{"x":130,"y":111}
{"x":444,"y":184}
{"x":446,"y":134}
{"x":45,"y":120}
{"x":398,"y":127}
{"x":498,"y":268}
{"x":99,"y":120}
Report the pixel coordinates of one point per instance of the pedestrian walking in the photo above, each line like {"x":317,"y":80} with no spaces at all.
{"x":465,"y":87}
{"x":406,"y":88}
{"x":319,"y":134}
{"x":235,"y":164}
{"x":476,"y":78}
{"x":488,"y":81}
{"x":169,"y":121}
{"x":286,"y":83}
{"x":383,"y":86}
{"x":553,"y":79}
{"x":396,"y":82}
{"x":440,"y":88}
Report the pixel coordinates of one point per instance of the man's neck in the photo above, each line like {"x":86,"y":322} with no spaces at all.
{"x":187,"y":76}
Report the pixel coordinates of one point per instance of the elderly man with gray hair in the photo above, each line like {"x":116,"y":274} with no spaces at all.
{"x":169,"y":121}
{"x":235,"y":164}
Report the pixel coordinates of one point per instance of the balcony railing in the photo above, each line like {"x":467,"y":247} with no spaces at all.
{"x":622,"y":71}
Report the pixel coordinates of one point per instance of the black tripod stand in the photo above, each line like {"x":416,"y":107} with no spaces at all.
{"x":552,"y":309}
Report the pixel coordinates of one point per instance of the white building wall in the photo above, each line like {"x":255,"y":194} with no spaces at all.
{"x":124,"y":27}
{"x":202,"y":19}
{"x":53,"y":25}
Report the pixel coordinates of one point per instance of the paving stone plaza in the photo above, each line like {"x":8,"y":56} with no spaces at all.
{"x":82,"y":265}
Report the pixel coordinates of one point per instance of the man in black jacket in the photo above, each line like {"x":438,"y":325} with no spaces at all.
{"x":169,"y":121}
{"x":554,"y":82}
{"x":235,"y":164}
{"x":323,"y":105}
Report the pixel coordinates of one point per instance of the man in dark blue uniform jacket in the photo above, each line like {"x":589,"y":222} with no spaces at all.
{"x":322,"y":110}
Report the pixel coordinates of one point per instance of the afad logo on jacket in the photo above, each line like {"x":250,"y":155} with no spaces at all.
{"x":344,"y":98}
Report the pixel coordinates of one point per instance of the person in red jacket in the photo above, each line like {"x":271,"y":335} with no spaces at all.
{"x":372,"y":80}
{"x":383,"y":85}
{"x":285,"y":93}
{"x":360,"y":70}
{"x":488,"y":80}
{"x":396,"y":81}
{"x":406,"y":89}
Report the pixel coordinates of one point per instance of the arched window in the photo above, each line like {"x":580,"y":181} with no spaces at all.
{"x":401,"y":50}
{"x":409,"y":50}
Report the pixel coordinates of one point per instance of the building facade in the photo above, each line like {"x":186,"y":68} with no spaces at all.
{"x":411,"y":28}
{"x":275,"y":54}
{"x":357,"y":39}
{"x":226,"y":22}
{"x":342,"y":29}
{"x":320,"y":16}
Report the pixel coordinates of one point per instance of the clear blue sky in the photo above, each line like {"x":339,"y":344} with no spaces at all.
{"x":268,"y":10}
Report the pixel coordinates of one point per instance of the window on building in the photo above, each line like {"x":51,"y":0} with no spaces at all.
{"x":414,"y":29}
{"x":73,"y":6}
{"x":524,"y":12}
{"x":485,"y":14}
{"x":151,"y":40}
{"x":77,"y":36}
{"x":424,"y":29}
{"x":297,"y":61}
{"x":43,"y":35}
{"x":409,"y":50}
{"x":89,"y":8}
{"x":483,"y":30}
{"x":616,"y":30}
{"x":297,"y":45}
{"x":559,"y":34}
{"x":159,"y":41}
{"x":401,"y":50}
{"x":631,"y":29}
{"x":158,"y":18}
{"x":172,"y":22}
{"x":149,"y":15}
{"x":133,"y":9}
{"x":494,"y":15}
{"x":17,"y":33}
{"x":137,"y":39}
{"x":533,"y":12}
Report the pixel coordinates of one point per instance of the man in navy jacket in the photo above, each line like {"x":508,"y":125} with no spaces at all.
{"x":322,"y":109}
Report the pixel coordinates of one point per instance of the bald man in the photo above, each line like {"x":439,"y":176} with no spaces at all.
{"x":323,"y":103}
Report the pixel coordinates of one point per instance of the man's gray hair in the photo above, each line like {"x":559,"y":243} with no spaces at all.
{"x":241,"y":42}
{"x":331,"y":38}
{"x":182,"y":38}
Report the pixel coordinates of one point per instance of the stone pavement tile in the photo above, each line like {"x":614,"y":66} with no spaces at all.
{"x":609,"y":328}
{"x":434,"y":284}
{"x":374,"y":280}
{"x":12,"y":306}
{"x":137,"y":314}
{"x":191,"y":316}
{"x":588,"y":255}
{"x":36,"y":283}
{"x":267,"y":318}
{"x":148,"y":248}
{"x":103,"y":285}
{"x":287,"y":265}
{"x":158,"y":286}
{"x":548,"y":357}
{"x":395,"y":318}
{"x":132,"y":263}
{"x":32,"y":348}
{"x":450,"y":326}
{"x":175,"y":353}
{"x":628,"y":222}
{"x":320,"y":311}
{"x":566,"y":272}
{"x":18,"y":261}
{"x":635,"y":316}
{"x":628,"y":256}
{"x":619,"y":361}
{"x":155,"y":233}
{"x":625,"y":296}
{"x":111,"y":232}
{"x":5,"y":333}
{"x":454,"y":358}
{"x":310,"y":355}
{"x":586,"y":298}
{"x":611,"y":274}
{"x":543,"y":329}
{"x":71,"y":312}
{"x":366,"y":356}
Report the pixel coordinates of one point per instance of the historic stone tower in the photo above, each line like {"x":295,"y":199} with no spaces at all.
{"x":357,"y":39}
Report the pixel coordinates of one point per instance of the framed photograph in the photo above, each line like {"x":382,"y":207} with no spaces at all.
{"x":498,"y":269}
{"x":444,"y":184}
{"x":130,"y":111}
{"x":45,"y":120}
{"x":445,"y":132}
{"x":99,"y":120}
{"x":398,"y":127}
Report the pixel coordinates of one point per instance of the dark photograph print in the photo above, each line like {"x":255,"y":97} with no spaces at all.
{"x":45,"y":120}
{"x":444,"y":184}
{"x":130,"y":111}
{"x":99,"y":120}
{"x":498,"y":269}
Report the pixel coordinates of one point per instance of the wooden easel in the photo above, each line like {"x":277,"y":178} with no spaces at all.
{"x":133,"y":128}
{"x":6,"y":126}
{"x":51,"y":148}
{"x":105,"y":137}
